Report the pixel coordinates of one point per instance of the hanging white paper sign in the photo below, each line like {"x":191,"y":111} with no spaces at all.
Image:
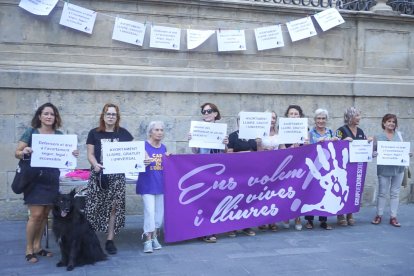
{"x":301,"y":28}
{"x":78,"y":18}
{"x":269,"y":37}
{"x":231,"y":40}
{"x":328,"y":19}
{"x":197,"y":37}
{"x":38,"y":7}
{"x":129,"y":31}
{"x":165,"y":38}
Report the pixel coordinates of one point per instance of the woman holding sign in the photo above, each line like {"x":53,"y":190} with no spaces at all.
{"x":150,"y":185}
{"x":294,"y":111}
{"x":320,"y":133}
{"x":43,"y":189}
{"x":389,"y":177}
{"x":270,"y":143}
{"x":105,"y":200}
{"x":350,"y":131}
{"x":211,"y":114}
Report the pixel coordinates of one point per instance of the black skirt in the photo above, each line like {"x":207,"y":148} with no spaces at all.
{"x":44,"y":188}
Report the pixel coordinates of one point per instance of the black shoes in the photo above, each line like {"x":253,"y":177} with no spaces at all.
{"x":110,"y":247}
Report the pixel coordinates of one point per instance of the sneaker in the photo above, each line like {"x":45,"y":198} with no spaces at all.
{"x":155,"y":244}
{"x":298,"y":224}
{"x":110,"y":247}
{"x":210,"y":239}
{"x":285,"y":224}
{"x":148,"y":247}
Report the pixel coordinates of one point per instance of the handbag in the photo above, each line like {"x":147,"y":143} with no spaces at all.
{"x":407,"y":172}
{"x":102,"y":180}
{"x":24,"y":177}
{"x":25,"y":174}
{"x":407,"y":175}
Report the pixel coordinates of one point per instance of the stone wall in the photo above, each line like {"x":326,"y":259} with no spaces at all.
{"x":367,"y":62}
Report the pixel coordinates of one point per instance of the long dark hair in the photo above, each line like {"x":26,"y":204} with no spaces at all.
{"x":36,"y":123}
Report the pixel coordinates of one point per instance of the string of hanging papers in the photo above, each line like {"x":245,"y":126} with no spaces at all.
{"x":169,"y":38}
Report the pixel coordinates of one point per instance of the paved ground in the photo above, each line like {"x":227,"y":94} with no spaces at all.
{"x":363,"y":249}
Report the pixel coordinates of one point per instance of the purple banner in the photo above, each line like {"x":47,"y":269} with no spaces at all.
{"x":215,"y":193}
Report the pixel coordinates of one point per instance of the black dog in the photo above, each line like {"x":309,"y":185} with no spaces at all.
{"x":78,"y":243}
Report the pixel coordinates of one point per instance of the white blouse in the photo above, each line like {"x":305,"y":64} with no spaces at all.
{"x":270,"y":143}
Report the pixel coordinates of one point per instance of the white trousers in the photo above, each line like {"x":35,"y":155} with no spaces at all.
{"x":389,"y":185}
{"x":153,"y":212}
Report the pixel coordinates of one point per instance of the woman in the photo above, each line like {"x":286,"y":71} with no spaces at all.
{"x":105,"y":208}
{"x":44,"y":188}
{"x":320,"y":133}
{"x":294,"y":111}
{"x":211,"y":114}
{"x":389,"y":177}
{"x":240,"y":145}
{"x":350,"y":131}
{"x":270,"y":143}
{"x":150,"y":185}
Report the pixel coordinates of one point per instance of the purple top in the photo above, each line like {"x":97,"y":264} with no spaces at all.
{"x":151,"y":181}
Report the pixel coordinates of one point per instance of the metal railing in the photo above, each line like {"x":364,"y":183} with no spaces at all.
{"x":402,"y":6}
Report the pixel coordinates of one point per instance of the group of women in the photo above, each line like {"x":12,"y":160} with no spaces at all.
{"x":105,"y":207}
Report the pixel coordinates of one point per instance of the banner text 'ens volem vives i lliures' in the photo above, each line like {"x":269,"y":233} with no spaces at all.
{"x":215,"y":193}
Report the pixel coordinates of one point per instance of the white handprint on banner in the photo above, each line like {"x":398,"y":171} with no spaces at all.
{"x":334,"y":182}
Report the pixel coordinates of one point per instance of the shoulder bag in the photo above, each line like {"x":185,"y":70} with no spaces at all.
{"x":407,"y":172}
{"x":25,"y":174}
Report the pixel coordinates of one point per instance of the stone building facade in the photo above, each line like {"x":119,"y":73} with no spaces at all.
{"x":368,"y":62}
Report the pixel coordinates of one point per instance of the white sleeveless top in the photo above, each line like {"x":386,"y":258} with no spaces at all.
{"x":270,"y":143}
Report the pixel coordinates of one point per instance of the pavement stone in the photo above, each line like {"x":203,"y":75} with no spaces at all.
{"x":363,"y":249}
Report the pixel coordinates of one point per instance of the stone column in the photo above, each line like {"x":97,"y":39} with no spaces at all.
{"x":382,"y":8}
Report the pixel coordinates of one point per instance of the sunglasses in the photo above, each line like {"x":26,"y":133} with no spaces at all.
{"x":207,"y":111}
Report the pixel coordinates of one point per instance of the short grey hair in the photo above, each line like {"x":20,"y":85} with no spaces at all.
{"x":322,"y":111}
{"x":152,"y":125}
{"x":350,"y":113}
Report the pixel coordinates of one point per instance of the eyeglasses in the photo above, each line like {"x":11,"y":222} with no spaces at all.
{"x":321,"y":118}
{"x":207,"y":111}
{"x":110,"y":114}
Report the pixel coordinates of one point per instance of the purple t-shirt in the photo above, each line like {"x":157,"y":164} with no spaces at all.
{"x":151,"y":181}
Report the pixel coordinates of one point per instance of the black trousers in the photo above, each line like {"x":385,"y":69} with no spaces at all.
{"x":321,"y":219}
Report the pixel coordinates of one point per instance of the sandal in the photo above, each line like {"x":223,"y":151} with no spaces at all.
{"x":326,"y":226}
{"x":394,"y":222}
{"x":210,"y":239}
{"x":273,"y":227}
{"x":377,"y":220}
{"x":249,"y":232}
{"x":309,"y":224}
{"x":350,"y":219}
{"x":31,"y":258}
{"x":231,"y":234}
{"x":262,"y":227}
{"x":342,"y":221}
{"x":44,"y":253}
{"x":351,"y":222}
